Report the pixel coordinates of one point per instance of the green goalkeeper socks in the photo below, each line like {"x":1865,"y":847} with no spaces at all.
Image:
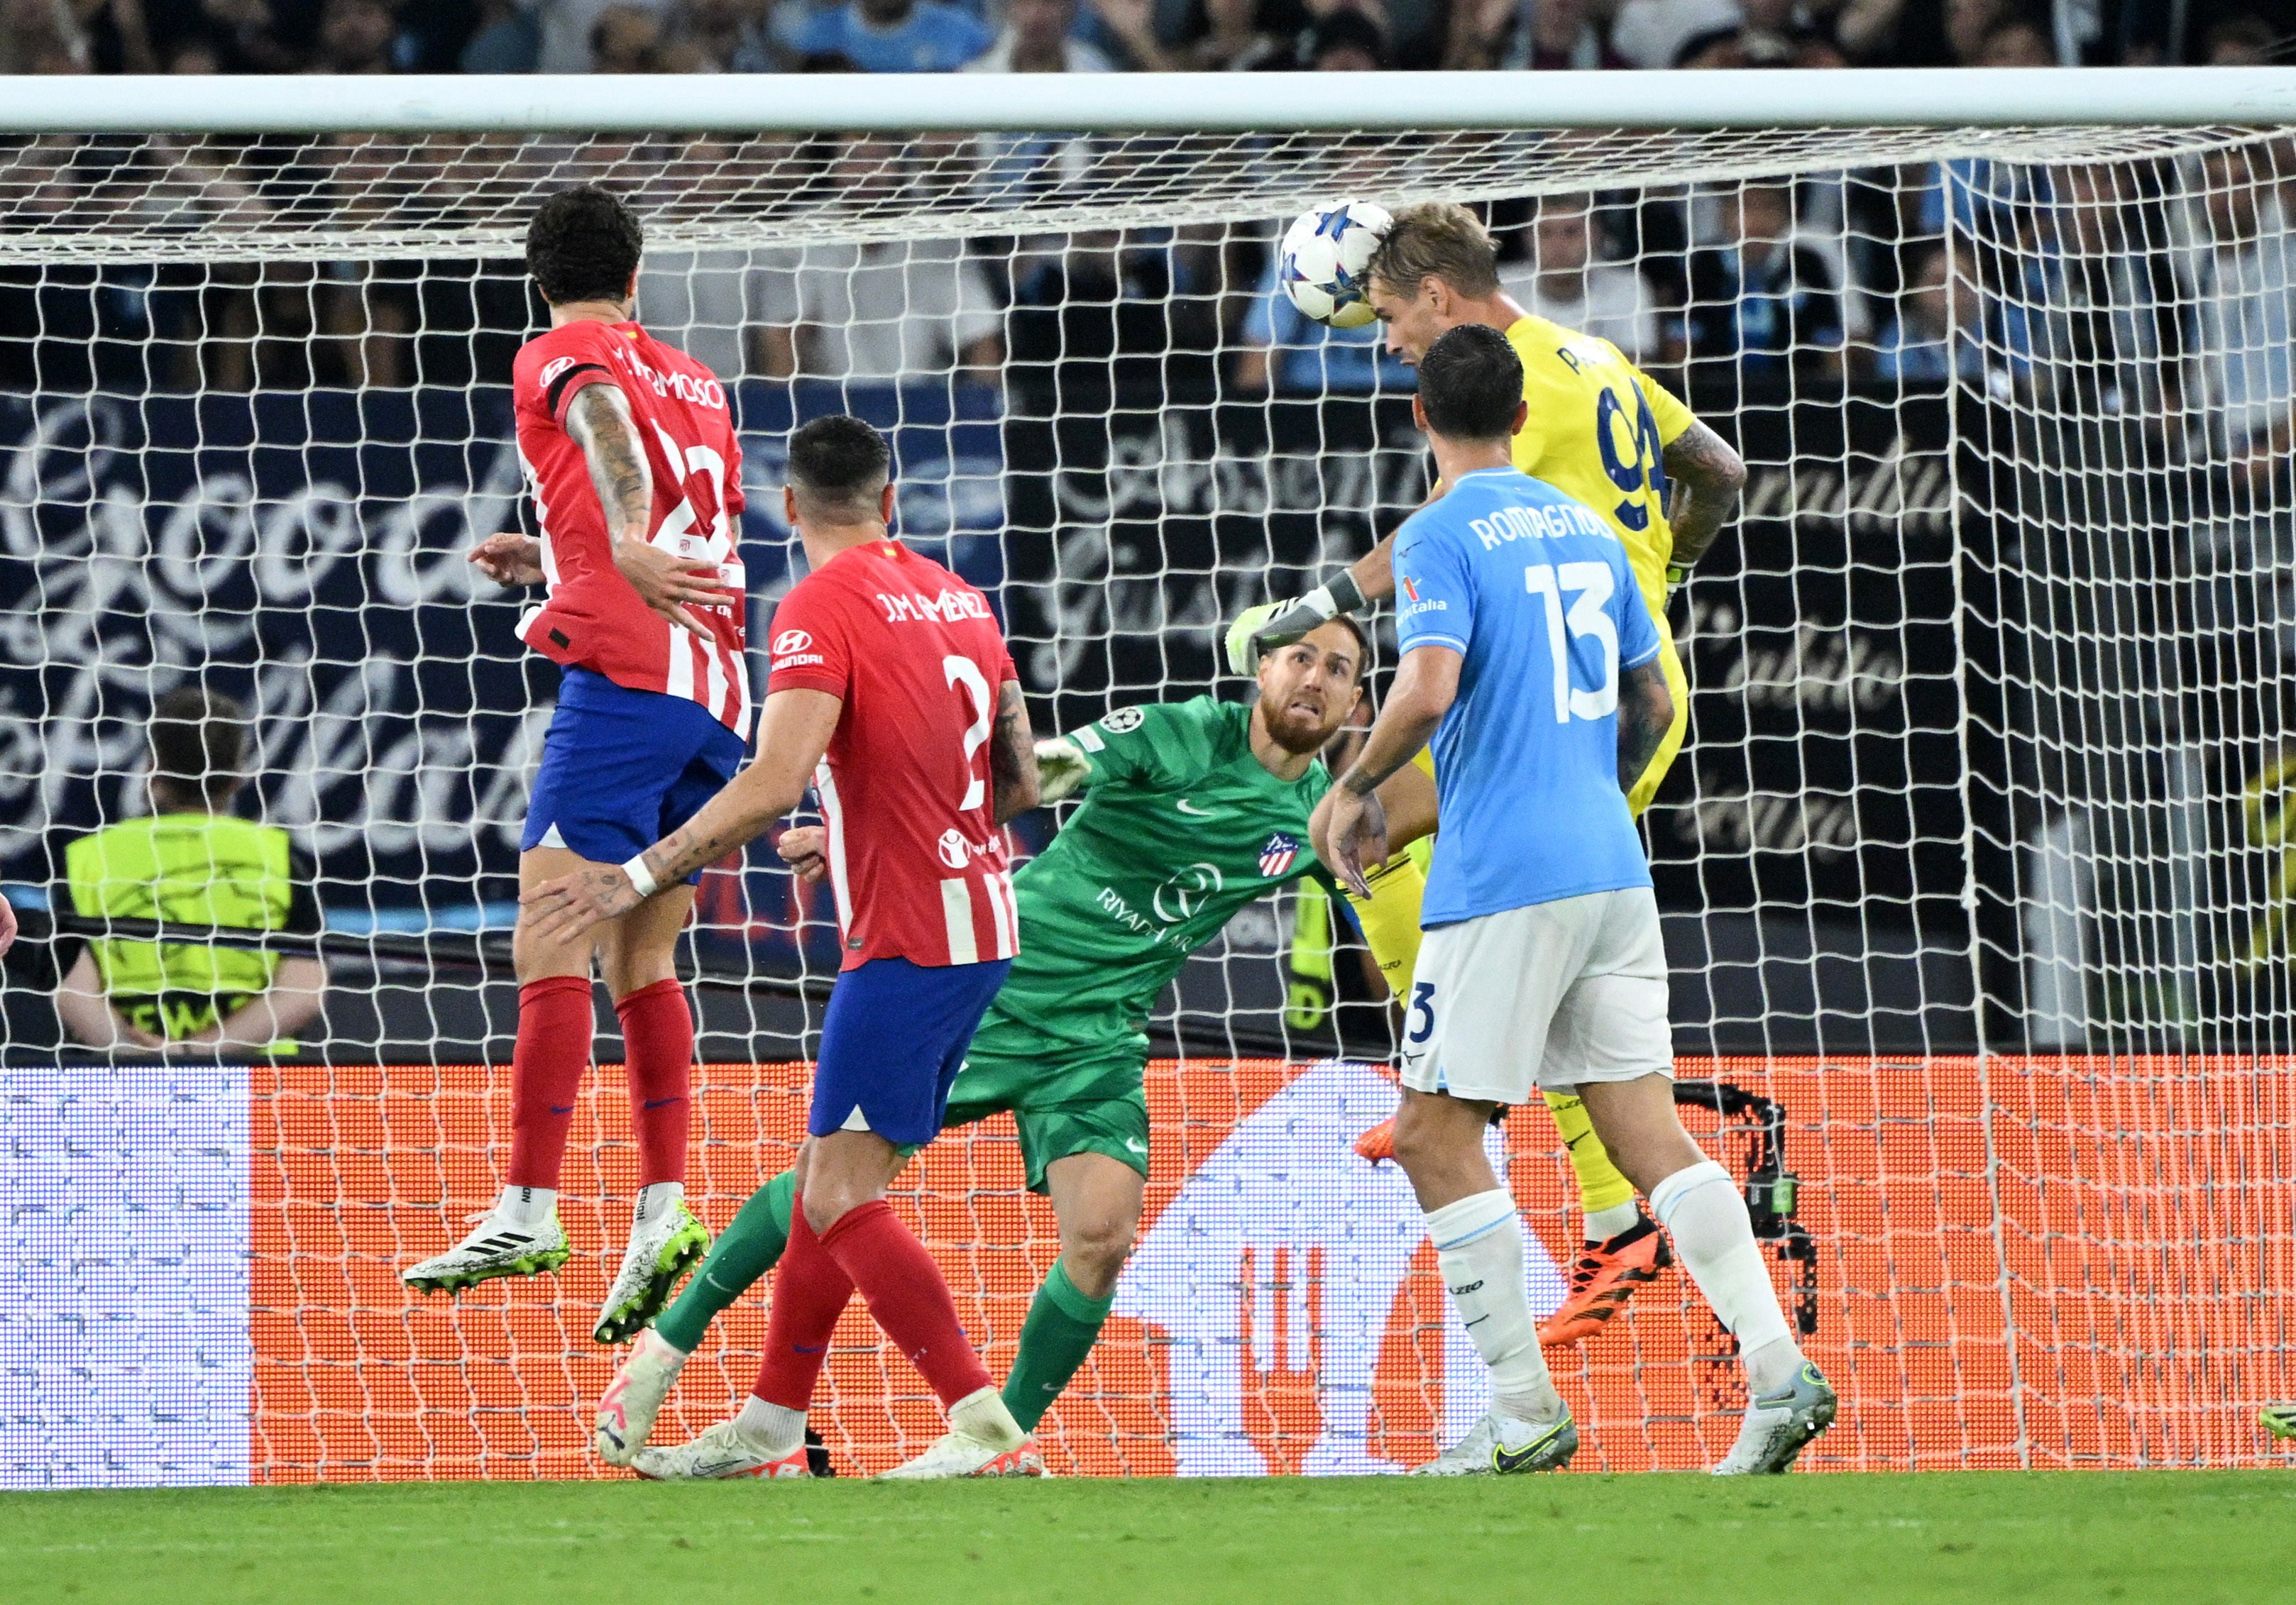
{"x":743,"y":1252}
{"x":1058,"y":1334}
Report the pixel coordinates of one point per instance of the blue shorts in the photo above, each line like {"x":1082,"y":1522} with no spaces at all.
{"x":621,"y":769}
{"x":892,"y":1043}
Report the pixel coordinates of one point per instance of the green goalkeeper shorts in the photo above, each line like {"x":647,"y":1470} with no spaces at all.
{"x":1065,"y":1099}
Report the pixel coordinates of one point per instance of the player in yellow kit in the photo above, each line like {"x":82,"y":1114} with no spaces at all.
{"x":1610,"y":436}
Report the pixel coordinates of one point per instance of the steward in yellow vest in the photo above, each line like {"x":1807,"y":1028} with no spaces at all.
{"x":191,"y":862}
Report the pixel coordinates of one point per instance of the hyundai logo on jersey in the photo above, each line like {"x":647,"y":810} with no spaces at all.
{"x":1275,"y":858}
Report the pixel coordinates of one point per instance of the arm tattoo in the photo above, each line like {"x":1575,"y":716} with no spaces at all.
{"x":1646,"y":713}
{"x":1012,"y":755}
{"x":1707,"y":475}
{"x":600,"y":421}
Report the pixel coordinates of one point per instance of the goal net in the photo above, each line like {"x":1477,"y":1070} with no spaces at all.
{"x":1975,"y":868}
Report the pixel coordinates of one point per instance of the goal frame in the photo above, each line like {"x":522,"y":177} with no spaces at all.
{"x":1939,"y":98}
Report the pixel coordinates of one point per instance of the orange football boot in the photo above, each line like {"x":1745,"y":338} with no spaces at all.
{"x":1602,"y":1279}
{"x":1379,"y":1143}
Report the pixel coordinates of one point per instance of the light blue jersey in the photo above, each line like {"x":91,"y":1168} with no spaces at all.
{"x":1535,"y":590}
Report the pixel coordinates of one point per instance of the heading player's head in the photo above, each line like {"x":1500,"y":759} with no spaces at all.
{"x":1437,"y":269}
{"x":583,"y":244}
{"x":840,"y":478}
{"x":1470,"y":393}
{"x":1307,"y":690}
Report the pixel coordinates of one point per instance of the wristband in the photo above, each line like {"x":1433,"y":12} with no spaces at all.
{"x":1346,"y":596}
{"x":641,"y":877}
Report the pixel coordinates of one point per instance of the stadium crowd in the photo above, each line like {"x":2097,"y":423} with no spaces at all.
{"x":1100,"y":36}
{"x":2079,"y":285}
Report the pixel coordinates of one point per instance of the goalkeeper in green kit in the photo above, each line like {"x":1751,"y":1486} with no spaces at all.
{"x":1192,"y":810}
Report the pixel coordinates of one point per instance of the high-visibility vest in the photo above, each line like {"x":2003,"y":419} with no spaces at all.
{"x":190,"y":868}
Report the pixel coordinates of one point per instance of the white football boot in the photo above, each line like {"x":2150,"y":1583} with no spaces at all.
{"x":635,"y":1397}
{"x":1777,"y":1426}
{"x":720,"y":1451}
{"x":961,"y":1454}
{"x":1500,"y":1446}
{"x":500,"y":1247}
{"x":661,"y":1251}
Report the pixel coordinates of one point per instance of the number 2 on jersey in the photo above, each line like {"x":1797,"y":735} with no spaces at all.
{"x":1586,"y":620}
{"x":963,"y":671}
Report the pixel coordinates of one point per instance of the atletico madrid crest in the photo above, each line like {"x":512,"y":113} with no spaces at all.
{"x":1275,"y":858}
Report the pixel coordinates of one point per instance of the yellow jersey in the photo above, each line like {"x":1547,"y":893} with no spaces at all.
{"x":1597,"y":429}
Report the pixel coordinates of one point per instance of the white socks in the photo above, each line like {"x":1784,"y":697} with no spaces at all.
{"x":526,"y":1206}
{"x":1702,"y":1211}
{"x":983,"y":1418}
{"x":1604,"y":1225}
{"x":772,"y":1430}
{"x":1479,"y":1244}
{"x":656,"y":1197}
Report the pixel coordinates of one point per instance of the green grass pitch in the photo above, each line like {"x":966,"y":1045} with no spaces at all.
{"x":2193,"y":1538}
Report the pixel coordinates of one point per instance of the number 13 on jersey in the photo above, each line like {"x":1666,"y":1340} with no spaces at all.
{"x":1591,"y":643}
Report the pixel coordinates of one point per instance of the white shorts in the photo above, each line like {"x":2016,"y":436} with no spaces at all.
{"x":1552,"y":995}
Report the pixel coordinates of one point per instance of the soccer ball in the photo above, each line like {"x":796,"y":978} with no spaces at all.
{"x":1324,"y":257}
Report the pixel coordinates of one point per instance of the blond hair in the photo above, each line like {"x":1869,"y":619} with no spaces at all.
{"x":1438,"y":240}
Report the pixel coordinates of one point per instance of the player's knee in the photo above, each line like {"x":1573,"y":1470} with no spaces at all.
{"x":1096,"y":1250}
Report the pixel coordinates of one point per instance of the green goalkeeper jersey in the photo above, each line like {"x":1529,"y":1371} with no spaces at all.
{"x":1181,"y":827}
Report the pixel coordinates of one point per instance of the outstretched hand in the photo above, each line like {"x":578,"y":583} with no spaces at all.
{"x":562,"y":909}
{"x":671,"y":585}
{"x":1356,"y":829}
{"x":509,"y":558}
{"x":805,"y":849}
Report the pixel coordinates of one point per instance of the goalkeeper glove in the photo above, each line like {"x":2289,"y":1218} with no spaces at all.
{"x":1061,"y":768}
{"x":1274,"y":623}
{"x":1677,"y":575}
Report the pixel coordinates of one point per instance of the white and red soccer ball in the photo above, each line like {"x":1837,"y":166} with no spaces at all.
{"x":1323,"y":263}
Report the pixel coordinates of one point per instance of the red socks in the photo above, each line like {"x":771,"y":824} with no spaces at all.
{"x":545,"y":1067}
{"x":658,"y":1046}
{"x":908,"y":1298}
{"x":810,"y":1292}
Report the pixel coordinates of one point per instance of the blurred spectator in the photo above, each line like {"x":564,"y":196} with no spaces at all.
{"x":1343,"y":39}
{"x":191,"y":862}
{"x":1129,"y":26}
{"x":2018,"y":41}
{"x":355,"y":37}
{"x":1763,"y":306}
{"x":507,"y":38}
{"x":896,"y":35}
{"x":37,"y":37}
{"x":1562,"y":36}
{"x":887,"y":309}
{"x":1039,"y":37}
{"x":730,"y":34}
{"x":1966,"y":24}
{"x":566,"y":29}
{"x":2246,"y":40}
{"x":625,"y":38}
{"x":1919,"y":345}
{"x":1651,"y":33}
{"x":1769,"y":33}
{"x":2242,"y":283}
{"x":1564,"y":283}
{"x":2106,"y":337}
{"x":1100,"y":315}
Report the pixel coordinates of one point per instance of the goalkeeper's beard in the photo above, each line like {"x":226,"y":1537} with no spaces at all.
{"x":1295,"y":734}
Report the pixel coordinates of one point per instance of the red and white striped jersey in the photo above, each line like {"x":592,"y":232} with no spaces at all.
{"x":914,"y":851}
{"x":593,"y":619}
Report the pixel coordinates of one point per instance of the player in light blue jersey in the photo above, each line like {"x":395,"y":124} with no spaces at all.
{"x":1531,"y":661}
